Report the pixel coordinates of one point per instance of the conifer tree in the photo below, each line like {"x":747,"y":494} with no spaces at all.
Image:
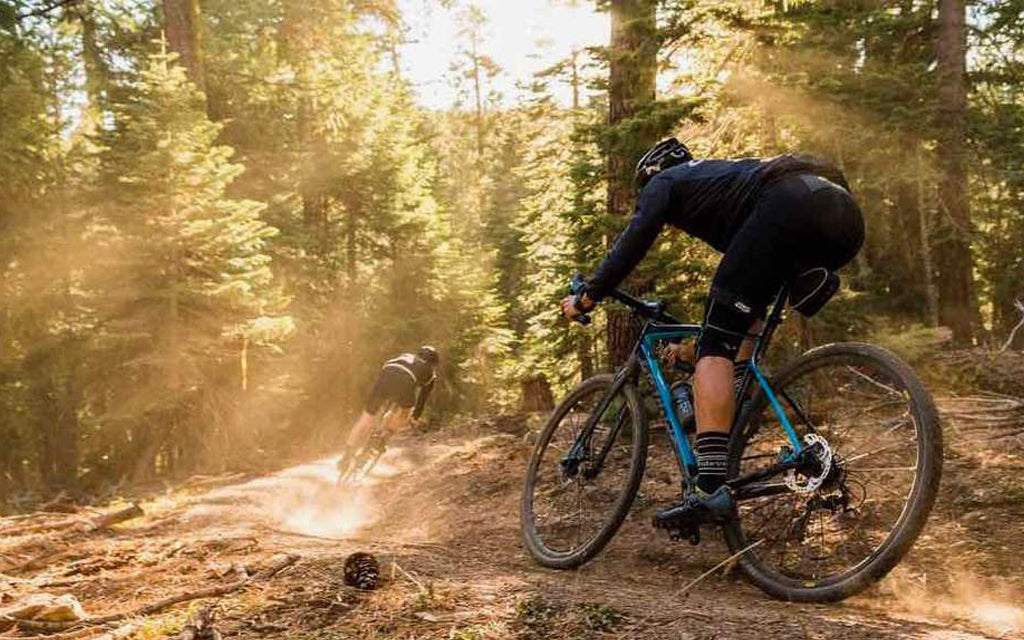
{"x":194,"y":288}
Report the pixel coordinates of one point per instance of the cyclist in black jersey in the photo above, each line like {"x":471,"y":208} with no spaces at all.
{"x":773,"y":219}
{"x":401,"y":390}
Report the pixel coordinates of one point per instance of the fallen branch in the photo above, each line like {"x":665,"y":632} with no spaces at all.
{"x":416,"y":582}
{"x":60,"y":503}
{"x":1019,"y":306}
{"x":102,"y":522}
{"x":719,"y":566}
{"x":378,"y":542}
{"x":74,"y":527}
{"x":117,"y":517}
{"x":68,"y":635}
{"x":36,"y":562}
{"x":45,"y":526}
{"x":198,"y":481}
{"x":276,"y":567}
{"x":119,"y":633}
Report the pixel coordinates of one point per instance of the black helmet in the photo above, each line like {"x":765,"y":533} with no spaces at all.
{"x":428,"y":354}
{"x":665,"y":154}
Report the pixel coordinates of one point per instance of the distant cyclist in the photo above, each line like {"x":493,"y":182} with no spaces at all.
{"x":400,"y":392}
{"x":773,"y":219}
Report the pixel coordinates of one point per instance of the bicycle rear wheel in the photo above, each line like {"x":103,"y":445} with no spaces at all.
{"x":572,"y":507}
{"x":852,"y":510}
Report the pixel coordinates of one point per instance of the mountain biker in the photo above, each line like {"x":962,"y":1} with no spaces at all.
{"x":401,"y":391}
{"x":773,"y":219}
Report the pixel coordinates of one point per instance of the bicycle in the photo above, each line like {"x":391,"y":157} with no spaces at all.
{"x":355,"y":465}
{"x":834,"y":462}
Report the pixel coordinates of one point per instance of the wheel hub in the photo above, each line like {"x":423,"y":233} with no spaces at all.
{"x":815,"y":468}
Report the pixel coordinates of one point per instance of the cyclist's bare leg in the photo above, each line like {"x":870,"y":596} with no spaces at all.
{"x":713,"y":389}
{"x":713,"y":394}
{"x":360,"y":431}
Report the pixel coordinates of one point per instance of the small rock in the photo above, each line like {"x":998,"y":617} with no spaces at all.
{"x":46,"y":607}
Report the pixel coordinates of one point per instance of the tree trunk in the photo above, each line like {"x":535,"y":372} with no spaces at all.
{"x":96,"y":71}
{"x":574,"y":79}
{"x":585,"y":352}
{"x":927,"y":266}
{"x":182,"y":23}
{"x":958,"y":306}
{"x":537,"y":394}
{"x":906,"y":274}
{"x":297,"y":31}
{"x":479,"y":120}
{"x":351,"y":225}
{"x":632,"y":58}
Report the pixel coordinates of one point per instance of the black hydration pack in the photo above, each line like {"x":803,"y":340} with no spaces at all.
{"x":665,"y":154}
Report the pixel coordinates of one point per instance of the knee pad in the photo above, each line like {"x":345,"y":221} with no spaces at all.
{"x":726,"y":323}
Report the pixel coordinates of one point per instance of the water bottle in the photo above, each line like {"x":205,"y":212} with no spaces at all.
{"x":682,"y":396}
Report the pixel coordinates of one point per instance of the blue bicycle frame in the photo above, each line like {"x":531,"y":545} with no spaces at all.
{"x":662,"y":328}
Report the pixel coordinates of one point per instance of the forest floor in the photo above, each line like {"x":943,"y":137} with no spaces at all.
{"x":440,"y":512}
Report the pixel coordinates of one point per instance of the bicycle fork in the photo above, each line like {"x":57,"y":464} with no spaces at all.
{"x":577,"y":454}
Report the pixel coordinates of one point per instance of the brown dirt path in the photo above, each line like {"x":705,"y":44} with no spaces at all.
{"x":441,"y":514}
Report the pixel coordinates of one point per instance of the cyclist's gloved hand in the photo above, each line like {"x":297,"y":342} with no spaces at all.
{"x":574,"y":306}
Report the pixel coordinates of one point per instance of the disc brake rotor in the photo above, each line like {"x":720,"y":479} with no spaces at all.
{"x":802,"y":483}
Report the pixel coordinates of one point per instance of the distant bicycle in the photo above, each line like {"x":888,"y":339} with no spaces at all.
{"x":834,"y":462}
{"x":355,"y":464}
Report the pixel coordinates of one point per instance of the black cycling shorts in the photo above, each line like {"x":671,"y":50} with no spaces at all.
{"x":798,"y":223}
{"x":392,"y":387}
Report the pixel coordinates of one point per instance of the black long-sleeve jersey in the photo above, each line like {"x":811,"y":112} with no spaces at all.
{"x":708,"y":199}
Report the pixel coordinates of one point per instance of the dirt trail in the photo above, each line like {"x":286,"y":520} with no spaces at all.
{"x":441,"y":514}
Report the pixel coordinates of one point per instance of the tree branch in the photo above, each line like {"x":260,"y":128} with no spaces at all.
{"x":45,"y":10}
{"x":1019,"y":306}
{"x":160,"y":605}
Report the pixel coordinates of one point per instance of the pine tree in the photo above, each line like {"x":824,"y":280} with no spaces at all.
{"x":193,"y":287}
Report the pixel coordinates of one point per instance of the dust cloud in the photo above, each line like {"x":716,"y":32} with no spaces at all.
{"x":304,"y":499}
{"x":307,"y":500}
{"x":990,"y":604}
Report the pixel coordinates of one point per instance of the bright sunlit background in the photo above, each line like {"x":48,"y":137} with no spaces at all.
{"x":522,"y":37}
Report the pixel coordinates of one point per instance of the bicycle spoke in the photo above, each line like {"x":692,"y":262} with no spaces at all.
{"x":582,"y":472}
{"x":853,"y":458}
{"x":875,"y":482}
{"x":873,"y":381}
{"x":870,"y":425}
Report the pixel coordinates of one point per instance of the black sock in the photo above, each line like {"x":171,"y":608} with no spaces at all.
{"x":712,"y":454}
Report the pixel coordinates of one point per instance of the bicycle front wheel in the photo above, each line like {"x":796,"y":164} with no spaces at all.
{"x":866,"y":484}
{"x":581,"y":483}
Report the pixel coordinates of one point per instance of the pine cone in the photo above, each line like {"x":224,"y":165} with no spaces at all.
{"x":362,"y":571}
